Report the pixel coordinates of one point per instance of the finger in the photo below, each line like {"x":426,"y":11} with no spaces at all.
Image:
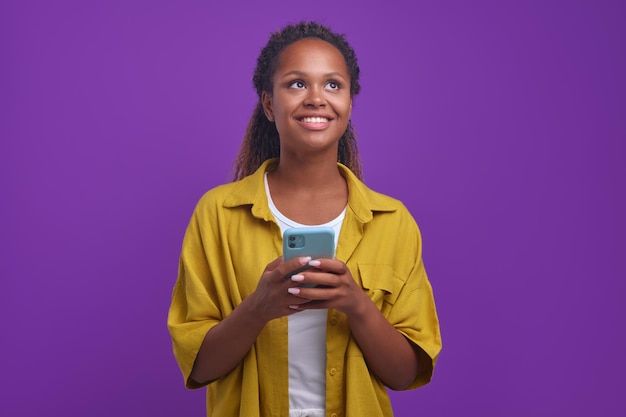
{"x":317,"y":278}
{"x":297,"y":303}
{"x":313,"y":293}
{"x":295,"y":266}
{"x":334,"y":266}
{"x":311,"y":305}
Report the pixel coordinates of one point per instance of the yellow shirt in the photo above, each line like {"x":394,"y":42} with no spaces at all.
{"x":230,"y":239}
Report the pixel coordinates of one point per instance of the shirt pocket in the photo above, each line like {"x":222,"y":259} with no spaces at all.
{"x":380,"y":282}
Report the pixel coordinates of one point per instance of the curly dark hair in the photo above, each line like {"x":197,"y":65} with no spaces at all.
{"x":261,"y":141}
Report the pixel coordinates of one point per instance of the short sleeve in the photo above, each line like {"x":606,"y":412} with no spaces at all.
{"x":194,"y":305}
{"x":413,"y":312}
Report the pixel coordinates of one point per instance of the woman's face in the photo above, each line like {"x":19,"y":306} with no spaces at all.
{"x":310,"y":102}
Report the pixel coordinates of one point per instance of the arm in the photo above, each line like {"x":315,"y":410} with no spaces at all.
{"x":227,"y":343}
{"x":390,"y":356}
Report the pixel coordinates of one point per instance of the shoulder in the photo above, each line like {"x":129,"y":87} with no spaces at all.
{"x":383,"y":202}
{"x":392,"y":212}
{"x":247,"y":193}
{"x":367,"y":202}
{"x":217,"y":195}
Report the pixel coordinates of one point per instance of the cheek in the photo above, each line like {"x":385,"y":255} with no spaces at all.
{"x":343,"y":105}
{"x":345,"y":109}
{"x":283,"y":106}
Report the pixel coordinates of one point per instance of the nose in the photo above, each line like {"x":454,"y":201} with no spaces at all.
{"x":315,"y":97}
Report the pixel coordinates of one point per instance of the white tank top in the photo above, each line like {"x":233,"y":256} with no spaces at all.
{"x":307,"y":339}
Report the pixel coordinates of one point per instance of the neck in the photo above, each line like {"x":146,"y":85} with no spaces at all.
{"x":308,"y":190}
{"x":308,"y":171}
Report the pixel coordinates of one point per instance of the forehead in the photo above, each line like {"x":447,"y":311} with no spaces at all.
{"x":311,"y":54}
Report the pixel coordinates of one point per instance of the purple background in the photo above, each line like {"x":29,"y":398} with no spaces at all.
{"x":500,"y":124}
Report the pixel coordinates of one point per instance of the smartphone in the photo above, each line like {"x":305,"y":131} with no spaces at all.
{"x":316,"y":242}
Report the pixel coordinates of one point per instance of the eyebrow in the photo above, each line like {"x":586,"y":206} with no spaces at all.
{"x":304,"y":74}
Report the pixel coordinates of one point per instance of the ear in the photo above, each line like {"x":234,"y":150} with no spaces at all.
{"x":266,"y":101}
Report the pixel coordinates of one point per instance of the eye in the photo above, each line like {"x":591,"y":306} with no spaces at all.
{"x":299,"y":85}
{"x":333,"y":85}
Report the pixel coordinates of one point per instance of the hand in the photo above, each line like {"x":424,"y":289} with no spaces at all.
{"x":334,"y":288}
{"x":272,"y":299}
{"x":227,"y":343}
{"x":387,"y":352}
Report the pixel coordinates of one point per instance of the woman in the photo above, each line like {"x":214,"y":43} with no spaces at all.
{"x":266,"y":345}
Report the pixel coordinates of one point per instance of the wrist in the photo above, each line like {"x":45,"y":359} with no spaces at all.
{"x":252,"y":312}
{"x":358,"y":310}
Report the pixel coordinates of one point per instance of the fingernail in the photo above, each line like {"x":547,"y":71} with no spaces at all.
{"x":294,"y":307}
{"x":293,"y":290}
{"x":315,"y":263}
{"x":297,"y":277}
{"x":305,"y":260}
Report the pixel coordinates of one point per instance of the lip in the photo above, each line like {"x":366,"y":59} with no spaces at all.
{"x":314,"y":125}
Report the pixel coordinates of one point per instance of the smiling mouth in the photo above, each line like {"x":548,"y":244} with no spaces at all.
{"x":314,"y":120}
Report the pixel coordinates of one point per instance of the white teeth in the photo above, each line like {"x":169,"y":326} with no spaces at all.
{"x":314,"y":120}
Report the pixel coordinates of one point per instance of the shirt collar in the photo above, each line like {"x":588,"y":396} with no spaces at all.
{"x":251,"y":191}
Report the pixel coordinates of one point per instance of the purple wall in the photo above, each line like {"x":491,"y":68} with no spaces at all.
{"x":501,"y":125}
